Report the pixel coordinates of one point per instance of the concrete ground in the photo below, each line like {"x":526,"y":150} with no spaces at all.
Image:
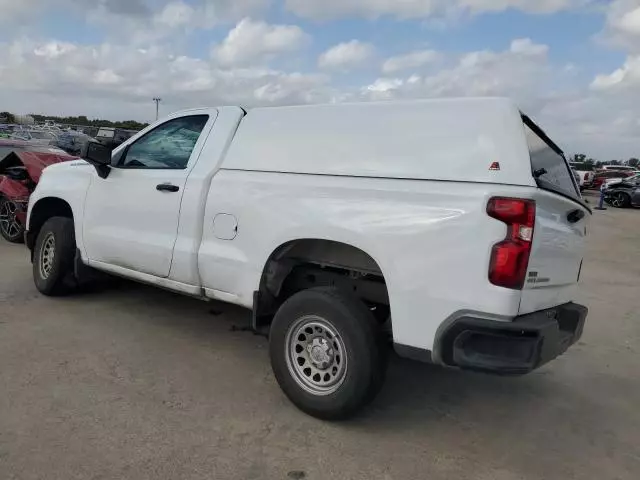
{"x":137,"y":383}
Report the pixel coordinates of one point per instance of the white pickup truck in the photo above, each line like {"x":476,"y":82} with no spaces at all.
{"x":586,"y":174}
{"x":451,"y":230}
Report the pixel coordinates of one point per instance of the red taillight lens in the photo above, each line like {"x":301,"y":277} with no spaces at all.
{"x":586,"y":176}
{"x":510,"y":258}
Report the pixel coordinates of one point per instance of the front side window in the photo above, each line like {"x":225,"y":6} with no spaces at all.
{"x":167,"y":146}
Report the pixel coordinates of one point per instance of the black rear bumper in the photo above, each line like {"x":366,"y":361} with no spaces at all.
{"x":512,"y":348}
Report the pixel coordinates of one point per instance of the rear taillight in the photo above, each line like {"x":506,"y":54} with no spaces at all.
{"x":510,"y":257}
{"x":586,"y":176}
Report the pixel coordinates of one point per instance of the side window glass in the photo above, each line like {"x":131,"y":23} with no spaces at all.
{"x":167,"y":146}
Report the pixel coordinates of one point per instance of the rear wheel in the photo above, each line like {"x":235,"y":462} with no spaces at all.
{"x":53,"y":257}
{"x":10,"y":227}
{"x":620,"y":200}
{"x":327,"y":352}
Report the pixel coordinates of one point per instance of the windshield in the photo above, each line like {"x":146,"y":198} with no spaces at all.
{"x":548,"y":164}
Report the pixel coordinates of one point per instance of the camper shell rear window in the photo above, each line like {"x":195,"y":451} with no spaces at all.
{"x":548,"y":163}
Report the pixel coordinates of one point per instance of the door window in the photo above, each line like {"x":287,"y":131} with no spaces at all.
{"x":167,"y":146}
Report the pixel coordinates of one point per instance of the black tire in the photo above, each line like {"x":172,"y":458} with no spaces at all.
{"x":620,"y":200}
{"x":10,"y":228}
{"x":58,"y":278}
{"x":360,"y":337}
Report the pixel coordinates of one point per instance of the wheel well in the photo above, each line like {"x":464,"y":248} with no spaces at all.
{"x":306,"y":263}
{"x":43,"y":210}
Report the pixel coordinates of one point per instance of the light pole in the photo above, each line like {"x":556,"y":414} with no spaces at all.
{"x":157,"y":100}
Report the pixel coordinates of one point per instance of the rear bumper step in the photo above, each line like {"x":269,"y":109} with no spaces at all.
{"x":512,"y":348}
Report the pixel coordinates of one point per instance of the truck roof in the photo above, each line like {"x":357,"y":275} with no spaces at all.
{"x":440,"y":139}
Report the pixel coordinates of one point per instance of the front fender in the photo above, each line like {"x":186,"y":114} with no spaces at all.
{"x":68,"y":182}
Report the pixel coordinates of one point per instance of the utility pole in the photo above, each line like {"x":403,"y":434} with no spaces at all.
{"x":157,"y":100}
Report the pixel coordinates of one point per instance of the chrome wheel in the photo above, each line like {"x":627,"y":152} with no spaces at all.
{"x":47,"y":255}
{"x":619,"y":200}
{"x":316,"y":355}
{"x":9,"y":223}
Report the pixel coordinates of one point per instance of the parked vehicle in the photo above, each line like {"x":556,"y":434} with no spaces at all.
{"x":585,"y":172}
{"x":72,"y":142}
{"x":604,"y":176}
{"x":34,"y":137}
{"x":621,"y":168}
{"x":576,"y":177}
{"x":6,"y":130}
{"x":113,"y":137}
{"x":342,"y":230}
{"x":623,"y":194}
{"x":630,"y":178}
{"x":20,"y":167}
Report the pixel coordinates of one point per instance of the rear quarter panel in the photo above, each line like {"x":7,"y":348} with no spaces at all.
{"x":431,"y":239}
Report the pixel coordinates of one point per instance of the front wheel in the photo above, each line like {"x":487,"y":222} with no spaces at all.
{"x":53,"y":257}
{"x":327,"y":352}
{"x":620,"y":200}
{"x":10,"y":227}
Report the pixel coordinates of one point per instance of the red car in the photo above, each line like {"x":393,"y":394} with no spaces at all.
{"x":604,"y":175}
{"x":20,"y":167}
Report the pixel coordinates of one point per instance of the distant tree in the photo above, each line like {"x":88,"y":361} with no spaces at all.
{"x":615,"y":162}
{"x":579,"y":157}
{"x":633,"y":162}
{"x":96,"y":122}
{"x":7,"y":117}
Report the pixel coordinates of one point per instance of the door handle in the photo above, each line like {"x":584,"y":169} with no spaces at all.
{"x":167,"y":187}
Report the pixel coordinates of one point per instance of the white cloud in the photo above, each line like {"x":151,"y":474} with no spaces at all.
{"x":20,"y":9}
{"x":526,"y":46}
{"x":175,"y":14}
{"x":131,"y":21}
{"x":630,"y":22}
{"x":251,"y":41}
{"x":327,"y":9}
{"x":383,"y":88}
{"x":410,"y":60}
{"x":13,"y":10}
{"x":216,"y":11}
{"x":601,"y":121}
{"x":626,"y":77}
{"x":530,"y":6}
{"x":111,"y":81}
{"x":518,"y":71}
{"x":346,"y":56}
{"x":623,"y":24}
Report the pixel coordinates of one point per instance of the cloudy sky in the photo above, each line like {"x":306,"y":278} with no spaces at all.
{"x":574,"y":65}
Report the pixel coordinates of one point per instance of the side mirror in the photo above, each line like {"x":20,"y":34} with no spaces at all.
{"x":99,"y":156}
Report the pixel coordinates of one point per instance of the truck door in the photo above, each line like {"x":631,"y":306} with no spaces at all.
{"x":131,"y":217}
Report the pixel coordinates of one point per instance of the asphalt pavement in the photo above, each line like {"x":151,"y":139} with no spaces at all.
{"x":136,"y":383}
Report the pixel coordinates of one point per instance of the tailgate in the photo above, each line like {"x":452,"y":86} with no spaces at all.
{"x":557,"y":252}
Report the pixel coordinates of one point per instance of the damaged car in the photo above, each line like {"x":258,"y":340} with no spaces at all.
{"x":21,"y":165}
